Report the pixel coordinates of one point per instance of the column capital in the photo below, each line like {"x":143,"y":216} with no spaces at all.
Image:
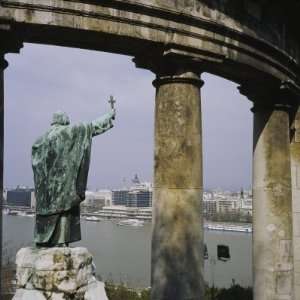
{"x":171,"y":68}
{"x":269,"y":96}
{"x":258,"y":107}
{"x":169,"y":62}
{"x":12,"y":42}
{"x":183,"y":77}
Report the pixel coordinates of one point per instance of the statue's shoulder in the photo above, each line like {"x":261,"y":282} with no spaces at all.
{"x":48,"y":135}
{"x":81,"y":127}
{"x":40,"y":140}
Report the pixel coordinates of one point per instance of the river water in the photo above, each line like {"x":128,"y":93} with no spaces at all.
{"x":122,"y":254}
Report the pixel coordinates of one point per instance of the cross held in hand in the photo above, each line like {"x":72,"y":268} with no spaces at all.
{"x":112,"y":102}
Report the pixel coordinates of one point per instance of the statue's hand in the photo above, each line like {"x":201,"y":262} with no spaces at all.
{"x":113,"y":113}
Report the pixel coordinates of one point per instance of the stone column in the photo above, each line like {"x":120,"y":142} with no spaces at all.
{"x":3,"y":65}
{"x":10,"y":43}
{"x":272,"y":209}
{"x":177,"y":242}
{"x":295,"y":167}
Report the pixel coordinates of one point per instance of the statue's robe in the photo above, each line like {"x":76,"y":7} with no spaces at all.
{"x":60,"y":162}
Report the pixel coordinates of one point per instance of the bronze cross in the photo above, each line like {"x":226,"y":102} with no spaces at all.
{"x":112,"y":102}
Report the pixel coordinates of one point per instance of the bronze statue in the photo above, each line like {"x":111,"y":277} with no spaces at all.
{"x":60,"y":163}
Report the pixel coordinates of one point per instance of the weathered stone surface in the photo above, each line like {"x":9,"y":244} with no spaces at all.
{"x":62,"y":269}
{"x":177,"y":242}
{"x":272,"y":210}
{"x":236,"y":38}
{"x":295,"y":167}
{"x":178,"y":155}
{"x":56,"y":296}
{"x":57,"y":273}
{"x":23,"y":294}
{"x":96,"y":291}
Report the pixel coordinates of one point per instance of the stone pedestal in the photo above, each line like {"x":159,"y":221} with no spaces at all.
{"x":57,"y":273}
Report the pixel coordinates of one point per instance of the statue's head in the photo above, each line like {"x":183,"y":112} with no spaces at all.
{"x":60,"y":118}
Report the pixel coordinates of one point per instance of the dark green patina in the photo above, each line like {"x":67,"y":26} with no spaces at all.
{"x":60,"y":162}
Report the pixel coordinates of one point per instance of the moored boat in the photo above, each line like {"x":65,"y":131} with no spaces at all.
{"x":93,"y":219}
{"x":131,"y":222}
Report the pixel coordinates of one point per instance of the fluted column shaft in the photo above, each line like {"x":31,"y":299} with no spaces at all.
{"x":177,"y":242}
{"x":272,"y":218}
{"x":295,"y":168}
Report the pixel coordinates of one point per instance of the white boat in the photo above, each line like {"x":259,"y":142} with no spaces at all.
{"x":225,"y":227}
{"x":131,"y":222}
{"x":93,"y":219}
{"x":21,"y":213}
{"x":31,"y":215}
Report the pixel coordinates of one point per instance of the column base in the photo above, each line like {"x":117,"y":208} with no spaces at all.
{"x":57,"y":273}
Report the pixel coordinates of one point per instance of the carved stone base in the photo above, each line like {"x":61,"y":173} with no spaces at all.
{"x":57,"y":273}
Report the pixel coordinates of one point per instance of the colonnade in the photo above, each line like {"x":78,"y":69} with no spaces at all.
{"x":177,"y":245}
{"x":178,"y":230}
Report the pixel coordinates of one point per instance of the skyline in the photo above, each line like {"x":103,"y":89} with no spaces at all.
{"x":43,"y":79}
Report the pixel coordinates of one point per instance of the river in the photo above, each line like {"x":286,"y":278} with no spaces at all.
{"x":123,"y":253}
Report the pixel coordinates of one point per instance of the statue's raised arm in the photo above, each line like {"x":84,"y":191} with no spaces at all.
{"x":104,"y":123}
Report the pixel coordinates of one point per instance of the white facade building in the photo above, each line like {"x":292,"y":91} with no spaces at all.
{"x":121,"y":212}
{"x":98,"y":199}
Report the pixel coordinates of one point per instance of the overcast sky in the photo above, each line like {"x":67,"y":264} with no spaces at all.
{"x":44,"y":79}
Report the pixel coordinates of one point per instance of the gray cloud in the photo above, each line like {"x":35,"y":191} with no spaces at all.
{"x":44,"y":79}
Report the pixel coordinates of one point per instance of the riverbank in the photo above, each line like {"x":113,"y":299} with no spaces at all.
{"x":96,"y":217}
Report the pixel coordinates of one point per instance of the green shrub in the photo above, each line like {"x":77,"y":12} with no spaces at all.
{"x":122,"y":292}
{"x":235,"y":292}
